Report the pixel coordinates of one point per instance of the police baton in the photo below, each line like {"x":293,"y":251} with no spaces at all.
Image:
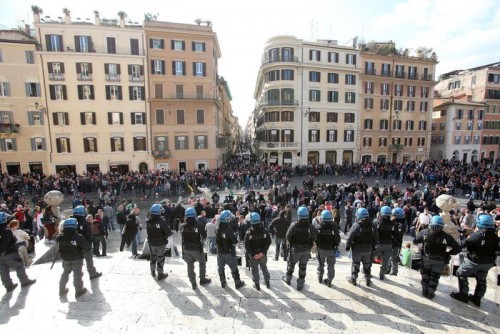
{"x":53,"y":262}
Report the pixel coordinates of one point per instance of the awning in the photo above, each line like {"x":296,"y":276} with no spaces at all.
{"x":273,"y":160}
{"x":287,"y":161}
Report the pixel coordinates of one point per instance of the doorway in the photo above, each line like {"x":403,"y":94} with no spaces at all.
{"x":182,"y":167}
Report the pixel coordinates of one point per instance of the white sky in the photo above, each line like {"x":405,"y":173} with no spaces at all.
{"x":463,"y":33}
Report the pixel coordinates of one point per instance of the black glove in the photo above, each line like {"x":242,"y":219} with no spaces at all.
{"x":347,"y":248}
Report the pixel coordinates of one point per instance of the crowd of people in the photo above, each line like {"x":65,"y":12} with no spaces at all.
{"x":373,"y":218}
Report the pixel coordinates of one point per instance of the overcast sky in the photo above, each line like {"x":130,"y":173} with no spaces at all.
{"x":463,"y":33}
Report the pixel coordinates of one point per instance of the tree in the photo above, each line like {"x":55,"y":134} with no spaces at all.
{"x":96,"y":13}
{"x":36,"y":10}
{"x":66,"y":11}
{"x":122,"y":15}
{"x":198,"y":21}
{"x":148,"y":17}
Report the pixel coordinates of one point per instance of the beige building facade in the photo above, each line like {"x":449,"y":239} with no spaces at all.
{"x":189,"y":102}
{"x":396,"y":104}
{"x":23,"y":128}
{"x":307,"y":106}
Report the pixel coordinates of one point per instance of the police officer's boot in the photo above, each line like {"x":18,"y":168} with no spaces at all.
{"x":351,"y":279}
{"x":476,"y":300}
{"x":162,"y":276}
{"x":268,"y":285}
{"x":328,"y":282}
{"x":300,"y":283}
{"x":257,"y":286}
{"x":368,"y":276}
{"x":320,"y":279}
{"x":205,"y":280}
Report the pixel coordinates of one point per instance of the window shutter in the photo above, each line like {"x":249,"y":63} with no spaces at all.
{"x":173,"y":67}
{"x":121,"y":118}
{"x":106,"y":68}
{"x":27,"y":89}
{"x":2,"y":144}
{"x":310,"y":58}
{"x":82,"y":118}
{"x":122,"y":144}
{"x":144,"y":117}
{"x":183,"y":45}
{"x":91,"y":44}
{"x":150,"y":43}
{"x":192,"y":46}
{"x":118,"y":69}
{"x":172,"y":44}
{"x":78,"y":68}
{"x":58,"y":145}
{"x":93,"y":118}
{"x":69,"y":145}
{"x":38,"y":90}
{"x":62,"y":67}
{"x":49,"y":67}
{"x":77,"y":44}
{"x":194,"y":68}
{"x":152,"y":66}
{"x":120,"y":97}
{"x":163,"y":67}
{"x":183,"y":68}
{"x":30,"y":118}
{"x":110,"y":118}
{"x":129,"y":69}
{"x":204,"y":69}
{"x":162,"y":43}
{"x":143,"y":95}
{"x":66,"y":118}
{"x":108,"y":92}
{"x":132,"y":118}
{"x":130,"y":92}
{"x":85,"y":145}
{"x":92,"y":96}
{"x":141,"y":69}
{"x":112,"y":142}
{"x":48,"y":42}
{"x":32,"y":141}
{"x":65,"y":95}
{"x":80,"y":92}
{"x":55,"y":119}
{"x":354,"y":59}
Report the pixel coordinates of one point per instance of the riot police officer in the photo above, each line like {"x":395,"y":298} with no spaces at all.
{"x":226,"y":251}
{"x":193,"y":235}
{"x":71,"y":247}
{"x":257,"y":242}
{"x":83,"y":228}
{"x":362,"y":239}
{"x":158,"y":232}
{"x":398,"y":216}
{"x":386,"y":229}
{"x":10,"y":258}
{"x":327,"y":241}
{"x":482,"y":247}
{"x":300,"y":235}
{"x":434,"y":254}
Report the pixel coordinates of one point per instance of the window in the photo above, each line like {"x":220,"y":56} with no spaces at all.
{"x":384,"y":104}
{"x":315,"y":95}
{"x":4,"y":89}
{"x":424,"y":92}
{"x":117,"y":144}
{"x":421,"y":141}
{"x":83,"y":44}
{"x":138,"y":118}
{"x":409,"y":125}
{"x":480,"y":115}
{"x":399,"y":71}
{"x":333,"y":78}
{"x":38,"y":144}
{"x":30,"y":57}
{"x":6,"y":117}
{"x":115,"y":118}
{"x":87,"y":118}
{"x":56,"y":71}
{"x":180,"y":117}
{"x":410,"y":105}
{"x":36,"y":118}
{"x":314,"y":76}
{"x":349,"y":117}
{"x":90,"y":144}
{"x":382,"y":142}
{"x":112,"y":72}
{"x":398,"y":105}
{"x":272,"y":76}
{"x":156,"y":43}
{"x":460,"y":113}
{"x":367,"y":142}
{"x":384,"y":89}
{"x":179,"y":91}
{"x":333,"y":96}
{"x":287,"y":75}
{"x":434,"y":140}
{"x":408,"y":141}
{"x":422,"y":125}
{"x":160,"y":116}
{"x":398,"y":90}
{"x":477,"y":139}
{"x":287,"y":136}
{"x":178,"y":45}
{"x":470,"y":114}
{"x":134,"y":46}
{"x":442,"y":126}
{"x":458,"y":140}
{"x":333,"y":57}
{"x":287,"y":116}
{"x":479,"y":125}
{"x":469,"y":125}
{"x":198,"y":46}
{"x":199,"y":69}
{"x":368,"y":124}
{"x":8,"y":144}
{"x":178,"y":67}
{"x":136,"y":72}
{"x":350,"y":97}
{"x":158,"y":67}
{"x":370,"y":68}
{"x":332,"y":117}
{"x":348,"y":136}
{"x":287,"y":54}
{"x":139,"y":143}
{"x":314,"y":116}
{"x":63,"y":145}
{"x":314,"y":136}
{"x":85,"y":92}
{"x":32,"y":89}
{"x":467,"y":139}
{"x":200,"y":116}
{"x":136,"y":93}
{"x":331,"y":136}
{"x":412,"y":72}
{"x":411,"y":91}
{"x":113,"y":92}
{"x":368,"y":87}
{"x":1,"y":56}
{"x":396,"y":141}
{"x":201,"y":142}
{"x":54,"y":43}
{"x":384,"y":124}
{"x":84,"y":71}
{"x":424,"y":105}
{"x":161,"y":143}
{"x":386,"y":70}
{"x":350,"y":59}
{"x":368,"y":103}
{"x":181,"y":143}
{"x":315,"y":55}
{"x":350,"y":79}
{"x":459,"y":125}
{"x":60,"y":118}
{"x":396,"y":124}
{"x":111,"y":45}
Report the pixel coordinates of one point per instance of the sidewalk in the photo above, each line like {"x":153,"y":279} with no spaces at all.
{"x":126,"y":299}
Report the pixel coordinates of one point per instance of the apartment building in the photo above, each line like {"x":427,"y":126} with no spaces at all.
{"x":189,"y":102}
{"x":396,"y":92}
{"x":23,"y":134}
{"x":480,"y":85}
{"x":307,"y":102}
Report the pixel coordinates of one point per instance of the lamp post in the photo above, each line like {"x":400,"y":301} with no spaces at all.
{"x":43,"y":109}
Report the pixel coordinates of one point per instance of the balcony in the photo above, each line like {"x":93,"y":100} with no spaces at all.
{"x":84,"y":76}
{"x":113,"y":77}
{"x":399,"y":74}
{"x":7,"y":128}
{"x":370,"y":71}
{"x":191,"y":96}
{"x":280,"y":59}
{"x":136,"y":78}
{"x":427,"y":77}
{"x":273,"y":103}
{"x":412,"y":75}
{"x":56,"y":76}
{"x":161,"y":153}
{"x":386,"y":73}
{"x":278,"y":145}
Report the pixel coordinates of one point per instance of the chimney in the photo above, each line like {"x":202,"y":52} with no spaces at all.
{"x":122,"y":22}
{"x":97,"y":18}
{"x":67,"y":16}
{"x":27,"y":29}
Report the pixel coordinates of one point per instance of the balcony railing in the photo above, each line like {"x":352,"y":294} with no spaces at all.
{"x":412,"y":76}
{"x":192,"y":96}
{"x":280,"y":59}
{"x":386,"y":73}
{"x":264,"y":144}
{"x":112,"y":77}
{"x":9,"y":128}
{"x":370,"y":71}
{"x":84,"y":77}
{"x":136,"y":78}
{"x":399,"y":74}
{"x":272,"y":103}
{"x":161,"y":153}
{"x":56,"y":76}
{"x":427,"y":77}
